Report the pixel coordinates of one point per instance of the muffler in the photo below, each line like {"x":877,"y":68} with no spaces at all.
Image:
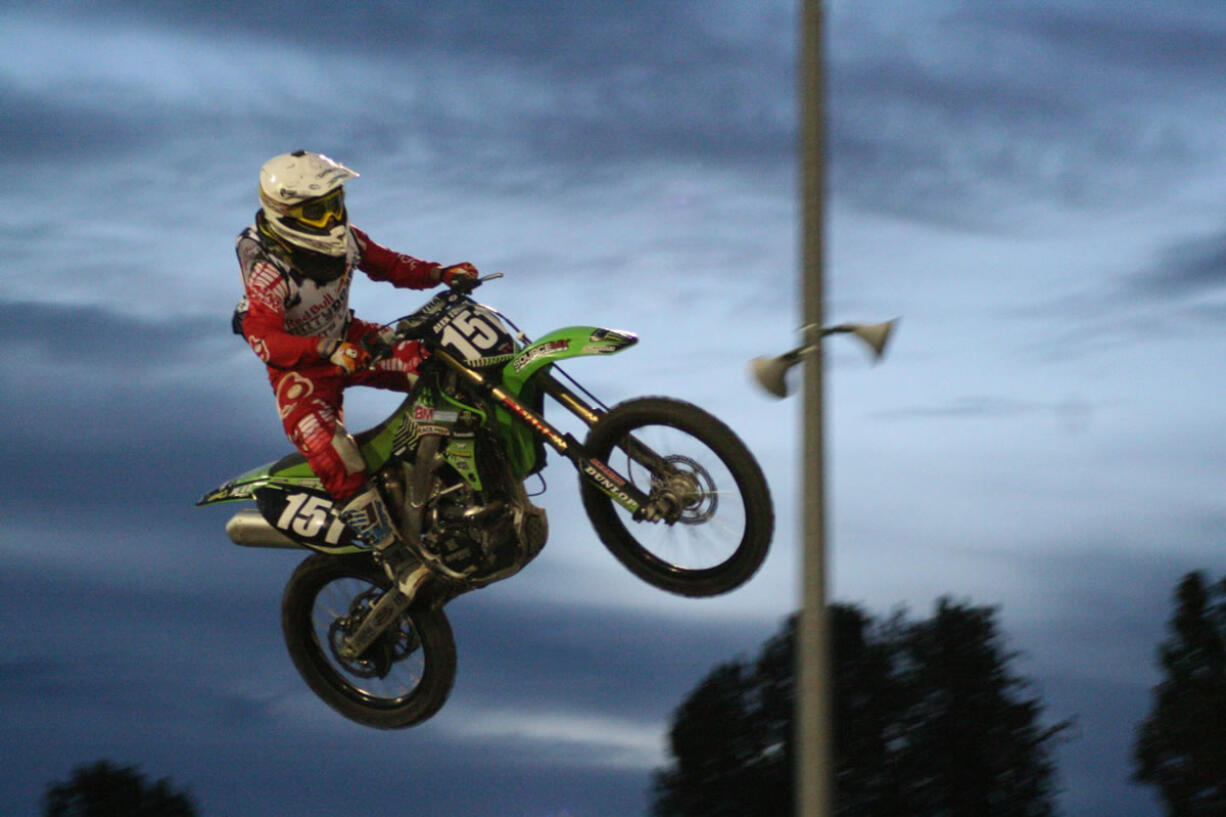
{"x":250,"y":529}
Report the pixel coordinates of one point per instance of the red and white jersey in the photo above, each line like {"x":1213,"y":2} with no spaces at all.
{"x":286,"y":313}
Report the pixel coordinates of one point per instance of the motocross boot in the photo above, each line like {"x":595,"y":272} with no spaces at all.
{"x":368,"y":516}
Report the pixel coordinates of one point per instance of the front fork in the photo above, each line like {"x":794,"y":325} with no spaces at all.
{"x":668,"y":505}
{"x":390,"y":606}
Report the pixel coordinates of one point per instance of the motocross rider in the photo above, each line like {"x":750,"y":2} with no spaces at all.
{"x":297,"y":262}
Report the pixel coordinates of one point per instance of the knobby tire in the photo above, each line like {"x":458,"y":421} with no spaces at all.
{"x":621,"y":534}
{"x":312,"y":660}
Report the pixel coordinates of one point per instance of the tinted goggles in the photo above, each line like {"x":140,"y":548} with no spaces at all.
{"x":320,"y":212}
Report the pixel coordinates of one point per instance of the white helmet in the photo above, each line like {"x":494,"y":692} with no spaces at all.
{"x":304,"y":201}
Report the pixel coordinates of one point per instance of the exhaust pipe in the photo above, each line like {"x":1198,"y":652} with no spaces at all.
{"x":249,"y":529}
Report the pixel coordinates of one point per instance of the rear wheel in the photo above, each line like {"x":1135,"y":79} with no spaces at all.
{"x":717,"y":516}
{"x":402,"y":679}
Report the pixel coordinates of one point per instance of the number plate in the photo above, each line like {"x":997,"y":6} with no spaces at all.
{"x":307,"y":516}
{"x":472,"y":333}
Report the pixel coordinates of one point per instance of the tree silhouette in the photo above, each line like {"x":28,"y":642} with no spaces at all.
{"x":973,"y":745}
{"x":1181,"y":745}
{"x":927,"y":720}
{"x":105,"y":790}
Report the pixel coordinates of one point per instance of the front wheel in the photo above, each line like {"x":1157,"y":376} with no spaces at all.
{"x":718,"y":519}
{"x":402,"y":679}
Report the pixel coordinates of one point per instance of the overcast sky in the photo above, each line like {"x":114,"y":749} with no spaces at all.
{"x":1034,"y":187}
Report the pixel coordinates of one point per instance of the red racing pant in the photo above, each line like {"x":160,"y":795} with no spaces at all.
{"x":310,"y":401}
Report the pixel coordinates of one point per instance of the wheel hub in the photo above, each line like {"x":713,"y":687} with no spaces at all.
{"x":686,"y":493}
{"x":393,"y":645}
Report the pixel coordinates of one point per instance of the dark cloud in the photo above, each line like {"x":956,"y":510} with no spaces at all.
{"x":1185,"y":42}
{"x":561,"y":37}
{"x":954,"y":118}
{"x":35,"y":126}
{"x":490,"y":87}
{"x":1168,"y":298}
{"x":115,"y":415}
{"x":67,"y":335}
{"x":1072,"y":415}
{"x":1189,"y":267}
{"x":948,"y":119}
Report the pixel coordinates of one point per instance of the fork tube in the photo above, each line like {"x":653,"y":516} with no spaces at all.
{"x":573,"y":402}
{"x":590,"y":415}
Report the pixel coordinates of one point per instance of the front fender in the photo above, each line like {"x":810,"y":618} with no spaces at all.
{"x":570,"y":341}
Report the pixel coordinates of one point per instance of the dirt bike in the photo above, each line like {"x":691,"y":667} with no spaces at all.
{"x":672,"y":492}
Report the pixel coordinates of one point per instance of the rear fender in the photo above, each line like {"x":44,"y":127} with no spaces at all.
{"x":293,"y":472}
{"x":286,"y":473}
{"x":293,"y":503}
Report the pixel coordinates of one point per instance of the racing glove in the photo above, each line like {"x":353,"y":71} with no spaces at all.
{"x":379,"y":344}
{"x":348,"y":356}
{"x":457,"y":272}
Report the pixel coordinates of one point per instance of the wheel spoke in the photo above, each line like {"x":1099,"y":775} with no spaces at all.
{"x":707,"y":522}
{"x":405,"y":675}
{"x":387,"y":672}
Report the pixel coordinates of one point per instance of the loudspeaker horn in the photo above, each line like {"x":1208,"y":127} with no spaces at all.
{"x":771,"y":372}
{"x":876,"y":335}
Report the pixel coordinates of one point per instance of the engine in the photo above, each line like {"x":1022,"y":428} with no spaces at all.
{"x":479,"y":538}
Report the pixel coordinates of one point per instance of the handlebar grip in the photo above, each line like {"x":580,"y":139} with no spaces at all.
{"x":467,"y":285}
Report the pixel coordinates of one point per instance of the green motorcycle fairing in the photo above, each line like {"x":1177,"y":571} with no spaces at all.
{"x":293,"y":471}
{"x":524,"y":449}
{"x":292,"y":499}
{"x":430,"y":411}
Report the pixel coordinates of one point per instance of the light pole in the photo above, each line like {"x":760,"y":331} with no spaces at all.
{"x":813,"y":778}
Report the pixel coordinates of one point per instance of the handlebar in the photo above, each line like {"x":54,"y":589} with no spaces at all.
{"x":467,"y":285}
{"x":410,"y":326}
